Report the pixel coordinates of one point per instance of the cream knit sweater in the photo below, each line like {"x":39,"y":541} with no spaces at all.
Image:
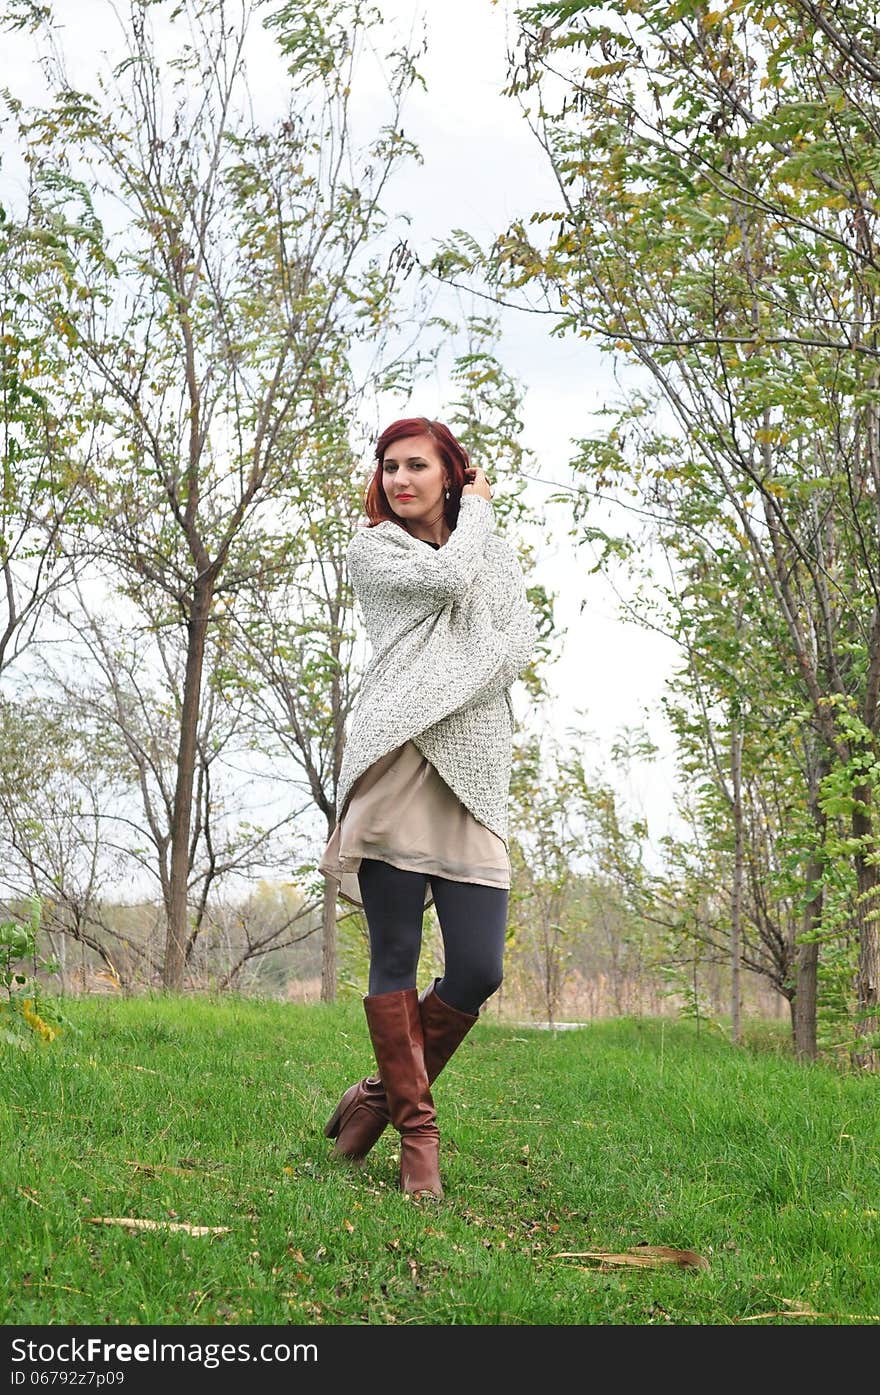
{"x":450,"y":630}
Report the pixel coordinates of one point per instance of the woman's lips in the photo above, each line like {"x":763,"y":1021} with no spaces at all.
{"x":403,"y":496}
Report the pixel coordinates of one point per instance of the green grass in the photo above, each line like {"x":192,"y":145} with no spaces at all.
{"x":623,"y":1133}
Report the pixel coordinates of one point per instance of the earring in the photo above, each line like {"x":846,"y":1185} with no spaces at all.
{"x":447,"y":493}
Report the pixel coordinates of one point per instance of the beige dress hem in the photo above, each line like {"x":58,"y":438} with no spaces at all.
{"x":400,"y":811}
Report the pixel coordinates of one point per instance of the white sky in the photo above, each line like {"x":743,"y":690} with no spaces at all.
{"x":481,"y":168}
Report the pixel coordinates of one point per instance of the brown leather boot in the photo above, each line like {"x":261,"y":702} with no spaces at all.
{"x":444,"y":1028}
{"x":359,"y":1119}
{"x":395,"y":1025}
{"x":361,"y":1116}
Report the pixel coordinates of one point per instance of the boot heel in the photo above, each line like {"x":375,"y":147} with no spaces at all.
{"x":334,"y":1123}
{"x":331,"y":1128}
{"x":359,"y":1118}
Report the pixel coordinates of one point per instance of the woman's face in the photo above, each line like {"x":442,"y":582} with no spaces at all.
{"x":414,"y":479}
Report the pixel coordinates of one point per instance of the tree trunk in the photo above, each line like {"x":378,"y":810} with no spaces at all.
{"x":548,"y":977}
{"x":328,"y":954}
{"x":738,"y":870}
{"x":807,"y":968}
{"x":58,"y":946}
{"x":804,"y":1001}
{"x":868,"y":975}
{"x":178,"y":917}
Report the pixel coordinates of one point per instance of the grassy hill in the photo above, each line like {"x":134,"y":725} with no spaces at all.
{"x":626,"y":1134}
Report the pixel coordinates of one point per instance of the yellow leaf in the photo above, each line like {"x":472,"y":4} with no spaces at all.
{"x":606,"y":69}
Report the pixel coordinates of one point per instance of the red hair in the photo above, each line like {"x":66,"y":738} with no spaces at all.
{"x":452,"y":453}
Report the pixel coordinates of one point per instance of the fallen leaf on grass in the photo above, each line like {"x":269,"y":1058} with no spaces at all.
{"x":642,"y":1257}
{"x":138,"y":1223}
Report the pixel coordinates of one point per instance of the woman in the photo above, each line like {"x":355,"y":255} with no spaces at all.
{"x":425,"y":775}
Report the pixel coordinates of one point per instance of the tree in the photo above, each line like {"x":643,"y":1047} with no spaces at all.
{"x":217,"y":319}
{"x":52,"y":793}
{"x":41,"y":426}
{"x":292,"y":645}
{"x":544,"y":845}
{"x":716,"y":225}
{"x":125,"y":689}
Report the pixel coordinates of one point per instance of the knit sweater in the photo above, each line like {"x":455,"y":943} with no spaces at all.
{"x":450,"y":630}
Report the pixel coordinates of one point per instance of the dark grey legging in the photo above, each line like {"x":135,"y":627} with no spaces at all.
{"x":472,"y":922}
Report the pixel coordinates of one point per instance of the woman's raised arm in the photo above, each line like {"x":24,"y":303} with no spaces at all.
{"x":516,"y":639}
{"x":392,"y":560}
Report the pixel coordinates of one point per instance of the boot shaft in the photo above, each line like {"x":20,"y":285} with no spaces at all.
{"x":395,"y":1027}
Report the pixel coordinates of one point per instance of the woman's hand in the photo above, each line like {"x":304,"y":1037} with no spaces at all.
{"x":477,"y":483}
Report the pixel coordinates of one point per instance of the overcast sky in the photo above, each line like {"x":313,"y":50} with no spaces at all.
{"x":482,"y":167}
